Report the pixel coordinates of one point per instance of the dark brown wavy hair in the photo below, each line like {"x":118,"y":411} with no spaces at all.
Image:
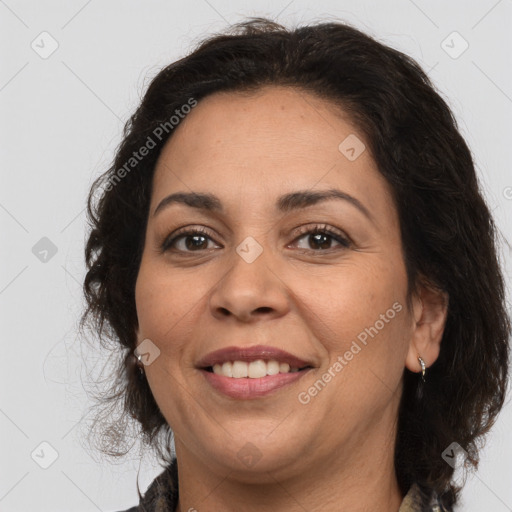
{"x":448,"y":234}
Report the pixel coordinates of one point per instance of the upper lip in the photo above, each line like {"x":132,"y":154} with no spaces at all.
{"x":249,"y":354}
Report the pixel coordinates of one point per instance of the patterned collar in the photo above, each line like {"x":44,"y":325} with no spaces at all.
{"x":162,"y":496}
{"x":416,"y":501}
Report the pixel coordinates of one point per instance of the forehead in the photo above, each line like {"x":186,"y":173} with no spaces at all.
{"x":272,"y":140}
{"x":270,"y":122}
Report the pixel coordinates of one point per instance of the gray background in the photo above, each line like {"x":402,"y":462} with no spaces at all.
{"x":61,"y":120}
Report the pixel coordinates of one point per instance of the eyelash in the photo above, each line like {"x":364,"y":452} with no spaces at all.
{"x":344,"y":241}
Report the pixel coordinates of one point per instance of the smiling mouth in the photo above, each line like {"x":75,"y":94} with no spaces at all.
{"x":252,"y":370}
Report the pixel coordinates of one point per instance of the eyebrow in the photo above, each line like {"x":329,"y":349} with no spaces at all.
{"x":285,"y":203}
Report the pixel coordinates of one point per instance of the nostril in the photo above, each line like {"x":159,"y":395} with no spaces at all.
{"x":264,"y":309}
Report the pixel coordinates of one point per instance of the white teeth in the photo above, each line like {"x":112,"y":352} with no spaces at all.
{"x":284,"y":368}
{"x":273,"y":368}
{"x":227,"y":369}
{"x":257,"y":369}
{"x":240,"y":369}
{"x":253,"y":370}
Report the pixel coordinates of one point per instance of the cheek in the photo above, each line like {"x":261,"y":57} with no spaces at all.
{"x":165,"y":300}
{"x":359,"y":321}
{"x":344,"y":302}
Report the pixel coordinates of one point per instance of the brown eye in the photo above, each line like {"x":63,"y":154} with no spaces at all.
{"x":320,"y":239}
{"x":187,"y":241}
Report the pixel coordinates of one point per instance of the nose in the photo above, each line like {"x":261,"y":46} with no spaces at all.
{"x":249,"y":292}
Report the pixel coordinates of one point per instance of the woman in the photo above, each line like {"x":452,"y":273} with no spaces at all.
{"x":293,"y":255}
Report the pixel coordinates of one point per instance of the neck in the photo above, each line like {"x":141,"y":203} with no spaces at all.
{"x":362,"y":478}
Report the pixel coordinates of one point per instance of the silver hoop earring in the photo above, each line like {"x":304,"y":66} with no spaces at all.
{"x":140,"y":365}
{"x":423,"y":368}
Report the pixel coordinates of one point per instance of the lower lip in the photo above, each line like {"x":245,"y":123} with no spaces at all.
{"x":246,"y":388}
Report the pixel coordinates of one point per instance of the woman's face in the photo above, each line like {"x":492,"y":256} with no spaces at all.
{"x":335,"y":299}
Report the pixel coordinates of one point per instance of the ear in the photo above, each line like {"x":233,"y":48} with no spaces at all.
{"x":430,"y":308}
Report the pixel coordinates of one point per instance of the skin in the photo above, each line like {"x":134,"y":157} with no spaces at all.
{"x":335,"y":452}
